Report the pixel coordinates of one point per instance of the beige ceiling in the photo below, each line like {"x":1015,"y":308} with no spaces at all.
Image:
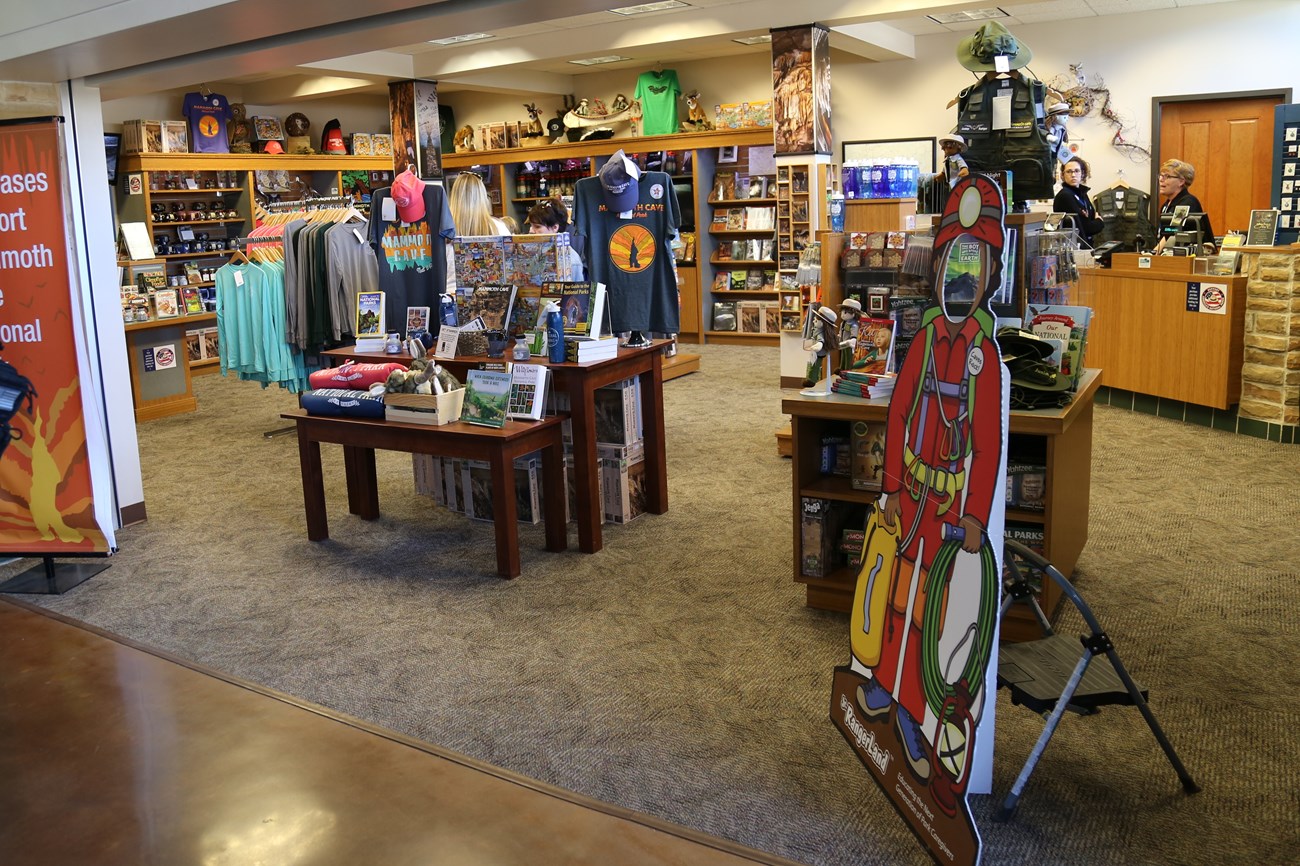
{"x":278,"y":52}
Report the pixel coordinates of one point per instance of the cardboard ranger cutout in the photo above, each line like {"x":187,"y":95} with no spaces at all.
{"x":924,"y":616}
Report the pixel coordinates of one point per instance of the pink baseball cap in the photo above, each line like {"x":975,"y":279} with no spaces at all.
{"x":407,"y":193}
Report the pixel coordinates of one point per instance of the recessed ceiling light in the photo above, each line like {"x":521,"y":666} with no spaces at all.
{"x":605,"y":58}
{"x":754,"y":40}
{"x":968,"y":15}
{"x":642,"y":8}
{"x":468,"y":37}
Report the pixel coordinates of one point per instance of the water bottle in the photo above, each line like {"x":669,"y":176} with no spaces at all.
{"x":554,"y":333}
{"x":447,"y":310}
{"x":880,"y":179}
{"x":835,"y":211}
{"x":849,"y":179}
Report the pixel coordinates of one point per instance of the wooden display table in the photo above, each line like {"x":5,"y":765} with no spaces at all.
{"x":1148,"y":341}
{"x":360,"y":437}
{"x":580,"y":381}
{"x":1060,"y":438}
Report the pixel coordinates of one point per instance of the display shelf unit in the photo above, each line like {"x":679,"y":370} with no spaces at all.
{"x":742,"y":258}
{"x":1050,"y":274}
{"x":190,"y":319}
{"x":204,"y":183}
{"x":1061,"y":439}
{"x":794,"y":217}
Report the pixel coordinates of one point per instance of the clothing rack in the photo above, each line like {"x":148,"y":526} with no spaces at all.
{"x":309,"y":203}
{"x":339,"y":207}
{"x":241,"y":244}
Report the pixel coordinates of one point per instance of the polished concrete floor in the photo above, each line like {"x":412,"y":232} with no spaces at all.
{"x":112,"y":754}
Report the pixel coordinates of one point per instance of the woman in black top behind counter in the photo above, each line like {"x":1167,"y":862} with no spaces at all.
{"x":1175,"y":177}
{"x":1073,"y":200}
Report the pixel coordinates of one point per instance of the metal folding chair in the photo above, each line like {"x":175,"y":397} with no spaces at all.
{"x":1052,"y":675}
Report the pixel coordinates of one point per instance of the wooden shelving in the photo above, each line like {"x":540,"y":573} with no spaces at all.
{"x":1061,"y":438}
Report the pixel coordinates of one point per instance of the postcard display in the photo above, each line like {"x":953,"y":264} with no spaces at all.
{"x":916,"y":700}
{"x":1286,"y":172}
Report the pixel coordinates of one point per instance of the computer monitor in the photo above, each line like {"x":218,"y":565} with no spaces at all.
{"x":1183,"y":230}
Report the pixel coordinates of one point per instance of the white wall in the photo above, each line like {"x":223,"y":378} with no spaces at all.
{"x":1218,"y":48}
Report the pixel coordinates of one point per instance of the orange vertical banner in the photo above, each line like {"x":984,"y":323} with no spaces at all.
{"x":46,"y":503}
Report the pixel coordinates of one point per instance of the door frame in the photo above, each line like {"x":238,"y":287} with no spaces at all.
{"x":1157,"y":108}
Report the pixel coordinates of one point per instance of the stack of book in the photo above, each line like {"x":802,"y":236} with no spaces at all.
{"x":582,"y":350}
{"x":866,"y":385}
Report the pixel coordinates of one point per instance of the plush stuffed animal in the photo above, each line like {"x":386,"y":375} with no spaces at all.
{"x":696,"y":121}
{"x":534,"y":120}
{"x":464,"y":140}
{"x":421,"y":379}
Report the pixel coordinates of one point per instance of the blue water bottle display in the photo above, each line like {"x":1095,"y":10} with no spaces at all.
{"x":447,"y":310}
{"x":554,"y":334}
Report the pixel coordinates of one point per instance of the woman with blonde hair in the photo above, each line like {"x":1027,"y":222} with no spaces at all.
{"x":470,"y":209}
{"x":1175,"y":177}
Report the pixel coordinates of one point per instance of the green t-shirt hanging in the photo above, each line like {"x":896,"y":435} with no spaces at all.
{"x":657,"y":92}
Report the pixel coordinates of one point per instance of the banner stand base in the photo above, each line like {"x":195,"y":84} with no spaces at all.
{"x":52,"y":578}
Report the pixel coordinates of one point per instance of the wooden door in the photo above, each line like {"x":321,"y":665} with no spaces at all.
{"x":1230,"y":143}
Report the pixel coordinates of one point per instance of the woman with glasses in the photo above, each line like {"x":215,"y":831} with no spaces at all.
{"x":1175,"y":177}
{"x":1073,"y":200}
{"x":550,"y":216}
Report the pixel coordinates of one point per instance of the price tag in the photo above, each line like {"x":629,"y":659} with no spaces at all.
{"x":239,"y":278}
{"x":388,"y":211}
{"x":1002,"y":111}
{"x":191,"y":183}
{"x":1002,"y":63}
{"x":360,"y":237}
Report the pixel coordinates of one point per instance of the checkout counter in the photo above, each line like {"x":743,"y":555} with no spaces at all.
{"x":1160,"y":329}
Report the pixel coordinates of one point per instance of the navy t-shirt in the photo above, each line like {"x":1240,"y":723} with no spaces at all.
{"x":633,"y":257}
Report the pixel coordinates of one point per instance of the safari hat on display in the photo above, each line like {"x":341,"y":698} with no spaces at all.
{"x":407,"y":193}
{"x":1035,"y":382}
{"x":978,"y":51}
{"x":618,"y":179}
{"x":955,"y":139}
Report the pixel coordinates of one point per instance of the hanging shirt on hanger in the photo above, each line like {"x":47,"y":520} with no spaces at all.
{"x":412,"y":257}
{"x":207,"y":116}
{"x":633,"y":257}
{"x":657,"y":91}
